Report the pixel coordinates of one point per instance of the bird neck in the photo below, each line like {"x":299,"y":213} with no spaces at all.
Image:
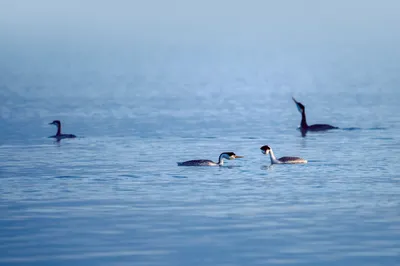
{"x":58,"y":129}
{"x":303,"y":120}
{"x":272,"y":157}
{"x":220,"y":160}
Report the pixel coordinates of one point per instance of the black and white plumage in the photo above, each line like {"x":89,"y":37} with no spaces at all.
{"x":283,"y":160}
{"x":222,"y":156}
{"x":59,"y":135}
{"x":304,"y":127}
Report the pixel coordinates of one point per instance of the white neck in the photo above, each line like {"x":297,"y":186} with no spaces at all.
{"x":272,"y":156}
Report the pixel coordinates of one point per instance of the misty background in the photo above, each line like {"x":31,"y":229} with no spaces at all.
{"x":103,"y":58}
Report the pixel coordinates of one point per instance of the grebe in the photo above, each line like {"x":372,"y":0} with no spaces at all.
{"x":222,"y":156}
{"x":59,"y":136}
{"x":283,"y":160}
{"x":304,"y":127}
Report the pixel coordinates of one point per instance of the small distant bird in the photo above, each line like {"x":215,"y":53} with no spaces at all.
{"x":59,"y":135}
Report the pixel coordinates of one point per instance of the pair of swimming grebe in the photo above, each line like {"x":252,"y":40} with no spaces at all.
{"x":304,"y":127}
{"x":231,"y":156}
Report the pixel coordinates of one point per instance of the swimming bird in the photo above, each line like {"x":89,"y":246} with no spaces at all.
{"x":60,"y":136}
{"x":304,"y":127}
{"x":222,"y":156}
{"x":283,"y":160}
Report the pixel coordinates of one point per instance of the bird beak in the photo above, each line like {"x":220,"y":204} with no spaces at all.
{"x":295,"y":100}
{"x":297,"y":105}
{"x":52,"y":123}
{"x":237,"y":156}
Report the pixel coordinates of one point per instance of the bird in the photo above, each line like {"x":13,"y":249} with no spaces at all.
{"x":283,"y":160}
{"x":59,"y":135}
{"x":304,"y":127}
{"x":222,"y":156}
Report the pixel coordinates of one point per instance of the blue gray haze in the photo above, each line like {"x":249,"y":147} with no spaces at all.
{"x":145,"y":84}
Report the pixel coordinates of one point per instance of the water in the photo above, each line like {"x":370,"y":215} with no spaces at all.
{"x":115,"y":196}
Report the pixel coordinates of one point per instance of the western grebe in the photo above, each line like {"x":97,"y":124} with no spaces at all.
{"x":304,"y":127}
{"x":59,"y":136}
{"x":222,"y":156}
{"x":283,"y":160}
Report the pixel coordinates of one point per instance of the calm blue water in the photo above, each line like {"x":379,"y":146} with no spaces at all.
{"x":115,"y":196}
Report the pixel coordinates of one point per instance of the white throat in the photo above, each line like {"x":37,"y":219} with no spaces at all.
{"x":272,"y":156}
